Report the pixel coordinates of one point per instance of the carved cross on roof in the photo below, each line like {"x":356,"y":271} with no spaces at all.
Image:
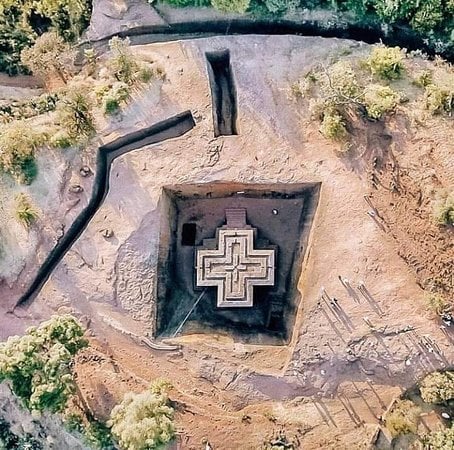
{"x":235,"y":267}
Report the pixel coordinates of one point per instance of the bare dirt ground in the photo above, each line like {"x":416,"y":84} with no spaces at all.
{"x":329,"y":387}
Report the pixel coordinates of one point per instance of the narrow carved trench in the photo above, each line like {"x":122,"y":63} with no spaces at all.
{"x":167,"y":129}
{"x":371,"y":33}
{"x":223,"y":93}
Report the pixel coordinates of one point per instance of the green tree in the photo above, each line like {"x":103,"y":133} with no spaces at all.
{"x":233,"y":6}
{"x":428,"y":16}
{"x":122,"y":63}
{"x":439,"y":440}
{"x":437,"y":387}
{"x":47,"y":56}
{"x":18,"y":142}
{"x":379,"y":100}
{"x":395,"y":10}
{"x":144,"y":421}
{"x":19,"y":26}
{"x":75,"y":114}
{"x":333,"y":126}
{"x":39,"y":364}
{"x":281,"y":6}
{"x":386,"y":62}
{"x":403,"y":418}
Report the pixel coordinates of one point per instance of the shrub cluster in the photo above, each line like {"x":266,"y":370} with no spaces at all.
{"x":235,"y":6}
{"x":18,"y":143}
{"x":439,"y":98}
{"x":38,"y":364}
{"x":49,"y":55}
{"x":144,"y":421}
{"x":425,"y":17}
{"x":333,"y":126}
{"x":25,"y":213}
{"x":436,"y":303}
{"x":112,"y":95}
{"x":379,"y":100}
{"x":75,"y":116}
{"x":439,"y":440}
{"x":403,"y":418}
{"x":125,"y":68}
{"x":386,"y":62}
{"x":443,"y":210}
{"x":437,"y":387}
{"x":32,"y":107}
{"x":337,"y":95}
{"x":22,"y":21}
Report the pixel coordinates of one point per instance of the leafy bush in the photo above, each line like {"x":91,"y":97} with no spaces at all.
{"x":386,"y":62}
{"x":436,"y":303}
{"x":439,"y":440}
{"x":18,"y":143}
{"x":439,"y":98}
{"x":395,"y":10}
{"x":403,"y":418}
{"x":146,"y":74}
{"x":281,"y":6}
{"x":379,"y":100}
{"x":122,"y":63}
{"x":443,"y":210}
{"x":75,"y":116}
{"x":74,"y":422}
{"x":38,"y":364}
{"x":98,"y":436}
{"x":24,"y":211}
{"x":337,"y":95}
{"x":428,"y":16}
{"x":112,"y":96}
{"x":339,"y":85}
{"x":143,"y":421}
{"x":49,"y":55}
{"x":61,"y":139}
{"x":424,"y":78}
{"x":437,"y":387}
{"x":29,"y":108}
{"x":13,"y":39}
{"x":111,"y":105}
{"x":423,"y":16}
{"x":23,"y":20}
{"x":333,"y":126}
{"x":233,"y":6}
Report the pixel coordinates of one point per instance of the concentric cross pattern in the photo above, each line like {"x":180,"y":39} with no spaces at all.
{"x":235,"y":267}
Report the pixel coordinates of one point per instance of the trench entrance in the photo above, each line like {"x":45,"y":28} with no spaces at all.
{"x":223,"y":93}
{"x":281,"y":216}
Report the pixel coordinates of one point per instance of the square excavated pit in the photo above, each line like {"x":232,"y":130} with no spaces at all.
{"x":281,"y":216}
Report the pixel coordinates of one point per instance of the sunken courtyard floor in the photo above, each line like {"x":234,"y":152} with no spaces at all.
{"x":282,"y":215}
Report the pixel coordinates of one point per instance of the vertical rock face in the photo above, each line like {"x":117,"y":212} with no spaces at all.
{"x":135,"y":273}
{"x":48,"y":431}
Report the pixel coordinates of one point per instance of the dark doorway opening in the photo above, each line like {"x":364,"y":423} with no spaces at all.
{"x":188,"y":234}
{"x":223,"y":93}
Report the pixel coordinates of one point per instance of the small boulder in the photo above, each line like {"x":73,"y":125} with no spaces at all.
{"x":76,"y":188}
{"x":85,"y":171}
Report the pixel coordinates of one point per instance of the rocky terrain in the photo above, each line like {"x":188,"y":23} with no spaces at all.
{"x":344,"y":365}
